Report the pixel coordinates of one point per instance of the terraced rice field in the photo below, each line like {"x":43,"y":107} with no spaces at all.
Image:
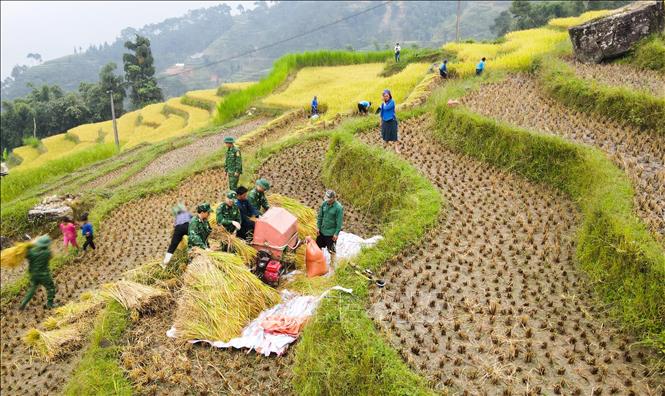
{"x":519,"y":101}
{"x":621,"y":75}
{"x":342,"y":87}
{"x":491,"y":302}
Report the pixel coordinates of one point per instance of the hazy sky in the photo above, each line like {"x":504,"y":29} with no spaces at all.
{"x":54,"y":28}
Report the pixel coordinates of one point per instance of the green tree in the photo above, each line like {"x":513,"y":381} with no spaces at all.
{"x":140,"y":73}
{"x":96,"y":96}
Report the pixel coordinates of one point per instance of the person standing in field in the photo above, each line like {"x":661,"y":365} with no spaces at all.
{"x":233,"y":163}
{"x":88,"y":233}
{"x":329,"y":222}
{"x":388,"y":119}
{"x":443,"y":69}
{"x":68,"y":230}
{"x":180,"y":229}
{"x":398,"y":49}
{"x":228,"y":214}
{"x":480,"y":67}
{"x":257,"y":196}
{"x":363,"y":107}
{"x":40,"y":275}
{"x":315,"y":106}
{"x":199,"y":228}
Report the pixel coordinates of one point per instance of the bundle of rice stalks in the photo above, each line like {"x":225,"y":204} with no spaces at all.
{"x":234,"y":244}
{"x":219,"y":298}
{"x":82,"y":311}
{"x":306,"y":216}
{"x":54,"y":343}
{"x":135,"y":296}
{"x":15,"y":255}
{"x":212,"y":219}
{"x":297,"y":257}
{"x":152,"y":272}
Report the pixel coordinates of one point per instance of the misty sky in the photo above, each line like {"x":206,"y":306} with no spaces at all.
{"x":54,"y":28}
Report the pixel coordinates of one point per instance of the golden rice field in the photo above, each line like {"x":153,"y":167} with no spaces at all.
{"x":197,"y":117}
{"x":572,"y":21}
{"x":238,"y":86}
{"x":342,"y":87}
{"x":205,"y":95}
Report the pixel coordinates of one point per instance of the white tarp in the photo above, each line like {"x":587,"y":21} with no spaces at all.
{"x":349,"y":246}
{"x":254,"y":336}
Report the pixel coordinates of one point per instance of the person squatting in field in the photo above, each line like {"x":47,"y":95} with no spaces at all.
{"x":40,"y":275}
{"x":228,"y":214}
{"x":88,"y":233}
{"x":329,"y":222}
{"x":233,"y":162}
{"x":480,"y":67}
{"x":388,"y":119}
{"x":257,"y":195}
{"x":68,"y":230}
{"x":180,"y":229}
{"x":363,"y":107}
{"x":247,"y":213}
{"x":443,"y":69}
{"x":199,"y":228}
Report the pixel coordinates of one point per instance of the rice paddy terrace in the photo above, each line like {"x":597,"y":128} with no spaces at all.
{"x":494,"y":283}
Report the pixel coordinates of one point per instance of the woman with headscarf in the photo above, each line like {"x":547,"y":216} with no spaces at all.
{"x":388,"y":119}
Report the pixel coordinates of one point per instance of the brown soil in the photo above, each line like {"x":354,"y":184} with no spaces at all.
{"x":159,"y":365}
{"x":627,"y":76}
{"x":182,"y":157}
{"x":492,"y":302}
{"x":107,"y":178}
{"x":641,"y":154}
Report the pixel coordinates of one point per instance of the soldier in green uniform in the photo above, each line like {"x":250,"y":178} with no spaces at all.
{"x":199,"y":228}
{"x":228,"y":214}
{"x":233,"y":164}
{"x":40,"y":274}
{"x":257,"y":196}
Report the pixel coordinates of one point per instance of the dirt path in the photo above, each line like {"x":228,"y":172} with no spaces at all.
{"x":491,"y":302}
{"x":641,"y":154}
{"x":186,"y":155}
{"x":627,"y":76}
{"x":163,"y":366}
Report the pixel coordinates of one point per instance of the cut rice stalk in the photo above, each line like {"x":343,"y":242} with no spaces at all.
{"x":151,"y":273}
{"x":135,"y":296}
{"x":219,"y":298}
{"x":54,"y":343}
{"x":15,"y":255}
{"x":234,"y":244}
{"x":81,"y":311}
{"x":306,"y":216}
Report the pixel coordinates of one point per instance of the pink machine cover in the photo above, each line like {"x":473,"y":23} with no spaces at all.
{"x":274,"y":230}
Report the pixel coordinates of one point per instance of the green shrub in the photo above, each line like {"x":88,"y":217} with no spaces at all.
{"x":640,"y":109}
{"x":101,"y":135}
{"x":72,"y":137}
{"x":32,"y":142}
{"x":139,"y":120}
{"x":625,"y":262}
{"x":236,"y":103}
{"x":650,"y":53}
{"x":13,"y":159}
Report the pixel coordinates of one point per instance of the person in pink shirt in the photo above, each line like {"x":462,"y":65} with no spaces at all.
{"x":68,"y":232}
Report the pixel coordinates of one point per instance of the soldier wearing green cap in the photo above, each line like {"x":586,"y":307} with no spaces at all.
{"x":257,"y":196}
{"x":199,"y":228}
{"x":233,"y":164}
{"x":228,"y":214}
{"x":40,"y":274}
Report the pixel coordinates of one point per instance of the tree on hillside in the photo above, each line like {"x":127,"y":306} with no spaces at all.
{"x":35,"y":56}
{"x":96,"y":97}
{"x":140,"y":73}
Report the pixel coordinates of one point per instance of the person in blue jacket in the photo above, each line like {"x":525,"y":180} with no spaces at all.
{"x":388,"y":119}
{"x":443,"y":69}
{"x":363,"y":107}
{"x":480,"y":67}
{"x":247,"y":212}
{"x":315,"y":106}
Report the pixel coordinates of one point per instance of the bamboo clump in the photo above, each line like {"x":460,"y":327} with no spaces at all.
{"x":306,"y":216}
{"x":219,"y":298}
{"x":54,"y":343}
{"x":15,"y":255}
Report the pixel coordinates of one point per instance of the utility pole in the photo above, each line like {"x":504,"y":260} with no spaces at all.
{"x":459,"y":8}
{"x":115,"y":125}
{"x":34,"y":127}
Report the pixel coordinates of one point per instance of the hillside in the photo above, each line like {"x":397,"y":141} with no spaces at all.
{"x":210,"y":34}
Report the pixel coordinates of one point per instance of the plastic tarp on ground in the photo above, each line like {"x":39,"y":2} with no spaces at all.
{"x":293,"y":310}
{"x":349,"y":246}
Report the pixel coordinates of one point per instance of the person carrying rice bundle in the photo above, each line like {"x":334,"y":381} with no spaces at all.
{"x":199,"y":228}
{"x":233,"y":162}
{"x":40,"y":274}
{"x":228,"y":214}
{"x":180,"y":229}
{"x":257,"y":195}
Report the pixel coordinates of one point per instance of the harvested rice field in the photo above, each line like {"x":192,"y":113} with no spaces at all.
{"x":159,"y":365}
{"x":622,"y":75}
{"x":519,"y":101}
{"x":491,"y":302}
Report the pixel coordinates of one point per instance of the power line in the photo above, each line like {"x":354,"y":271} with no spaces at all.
{"x":276,"y":43}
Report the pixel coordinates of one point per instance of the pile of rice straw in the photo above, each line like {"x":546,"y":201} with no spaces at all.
{"x":235,"y":245}
{"x":306,"y":216}
{"x":15,"y":255}
{"x":152,"y":273}
{"x":82,"y":311}
{"x":54,"y":343}
{"x":298,"y":257}
{"x":219,"y":298}
{"x":135,"y":296}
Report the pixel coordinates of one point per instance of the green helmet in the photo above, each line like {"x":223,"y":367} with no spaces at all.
{"x":231,"y":195}
{"x":263,"y":183}
{"x":204,"y":207}
{"x":229,"y":139}
{"x":43,"y":241}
